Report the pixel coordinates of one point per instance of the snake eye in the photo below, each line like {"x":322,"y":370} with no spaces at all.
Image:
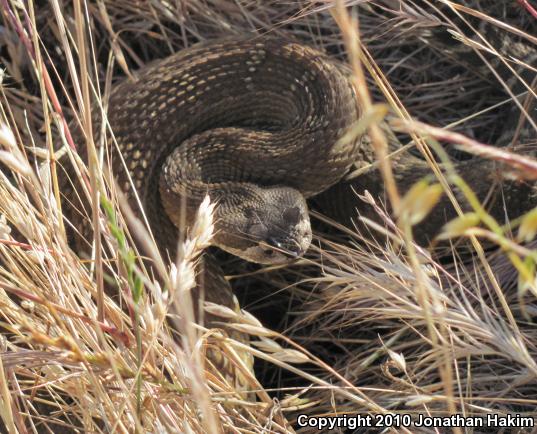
{"x":268,"y":252}
{"x":291,"y":215}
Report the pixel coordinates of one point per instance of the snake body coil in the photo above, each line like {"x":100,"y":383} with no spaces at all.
{"x":252,"y":123}
{"x":255,"y":123}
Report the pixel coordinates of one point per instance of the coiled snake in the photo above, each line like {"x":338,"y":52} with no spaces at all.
{"x":254,"y":123}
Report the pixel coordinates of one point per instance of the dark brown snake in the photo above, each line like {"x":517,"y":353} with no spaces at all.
{"x":255,"y":124}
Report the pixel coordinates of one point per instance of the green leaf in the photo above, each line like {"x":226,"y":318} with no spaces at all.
{"x":374,"y":115}
{"x":419,"y":201}
{"x":138,"y":289}
{"x":458,"y":226}
{"x":528,"y":226}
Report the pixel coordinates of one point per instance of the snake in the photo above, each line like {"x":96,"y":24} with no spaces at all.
{"x":234,"y":119}
{"x":258,"y":124}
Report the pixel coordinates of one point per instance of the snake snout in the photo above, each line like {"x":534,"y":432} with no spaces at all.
{"x":292,"y":249}
{"x":276,"y":243}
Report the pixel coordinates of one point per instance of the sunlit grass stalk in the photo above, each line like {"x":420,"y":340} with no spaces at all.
{"x":136,"y":290}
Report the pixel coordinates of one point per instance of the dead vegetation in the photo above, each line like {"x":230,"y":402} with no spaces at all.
{"x":368,"y":322}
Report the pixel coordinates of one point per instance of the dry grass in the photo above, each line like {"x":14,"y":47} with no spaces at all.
{"x":368,"y":324}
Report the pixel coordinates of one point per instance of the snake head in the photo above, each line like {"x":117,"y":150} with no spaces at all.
{"x":272,"y":229}
{"x":266,"y":225}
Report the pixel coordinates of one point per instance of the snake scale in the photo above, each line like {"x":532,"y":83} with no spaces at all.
{"x":255,"y":123}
